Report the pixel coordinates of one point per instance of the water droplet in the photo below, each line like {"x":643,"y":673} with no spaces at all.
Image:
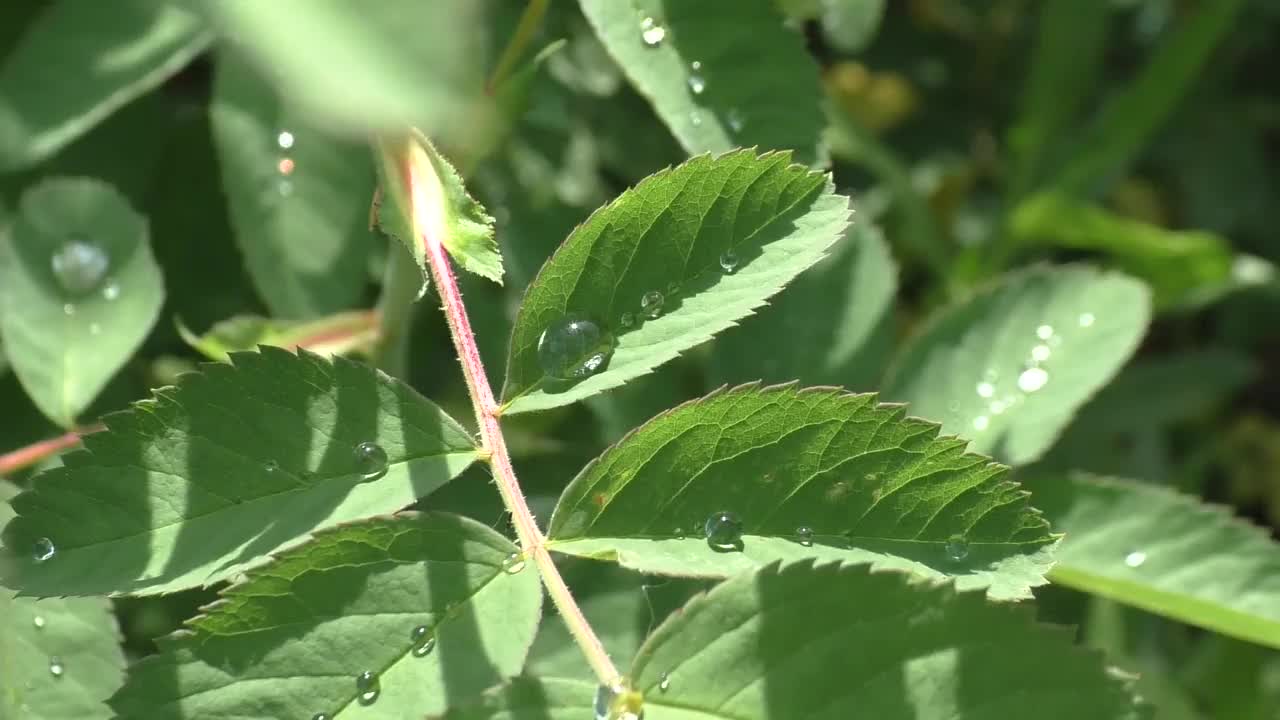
{"x":38,"y":621}
{"x":696,"y":82}
{"x":1040,"y":353}
{"x":371,"y":460}
{"x":728,"y":261}
{"x":723,"y":531}
{"x":695,"y":118}
{"x":79,"y":266}
{"x":1135,"y":559}
{"x":513,"y":563}
{"x":44,"y":550}
{"x":651,"y":32}
{"x":111,"y":290}
{"x":735,"y":120}
{"x":271,"y":466}
{"x":285,"y":166}
{"x":664,"y":682}
{"x":618,"y":701}
{"x":321,"y":716}
{"x":679,"y":533}
{"x":284,"y":139}
{"x":1086,"y":320}
{"x":651,"y":304}
{"x":804,"y":535}
{"x":368,"y":686}
{"x":573,"y":348}
{"x":69,"y":309}
{"x":423,"y":641}
{"x":628,"y":320}
{"x":986,"y":389}
{"x":1044,"y":332}
{"x":1032,"y":379}
{"x":56,"y":668}
{"x":957,"y":548}
{"x":982,"y":422}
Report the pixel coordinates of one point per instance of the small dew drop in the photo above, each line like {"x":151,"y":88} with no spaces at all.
{"x":284,"y":139}
{"x":982,"y":422}
{"x":697,"y":84}
{"x":68,"y":309}
{"x":111,"y":290}
{"x":513,"y":563}
{"x":627,"y":321}
{"x":723,"y":531}
{"x":1086,"y":320}
{"x":651,"y":32}
{"x":38,"y":621}
{"x":735,"y":120}
{"x":1032,"y":379}
{"x":1044,"y":332}
{"x":1135,"y":559}
{"x":679,"y":533}
{"x":44,"y":550}
{"x":573,"y":348}
{"x":285,"y":166}
{"x":423,"y":641}
{"x":986,"y":389}
{"x":729,"y":261}
{"x":56,"y":668}
{"x":321,"y":716}
{"x":1040,"y":353}
{"x":664,"y":682}
{"x":371,"y":460}
{"x":651,"y":304}
{"x":272,"y":466}
{"x":368,"y":686}
{"x":957,"y":548}
{"x":804,"y":535}
{"x":79,"y":266}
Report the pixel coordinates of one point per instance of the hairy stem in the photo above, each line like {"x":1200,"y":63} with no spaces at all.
{"x":492,"y":441}
{"x":16,"y":460}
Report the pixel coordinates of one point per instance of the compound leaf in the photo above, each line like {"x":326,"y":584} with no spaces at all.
{"x":422,"y":601}
{"x":237,"y":461}
{"x":670,"y":239}
{"x":869,"y":484}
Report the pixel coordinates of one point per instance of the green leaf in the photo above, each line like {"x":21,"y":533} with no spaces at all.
{"x":1166,"y":553}
{"x":1009,"y":367}
{"x":669,"y":235}
{"x":298,"y":198}
{"x":1174,"y":263}
{"x":237,"y":461}
{"x":837,"y":319}
{"x":364,"y":67}
{"x":68,"y":332}
{"x":80,"y":61}
{"x":290,"y":640}
{"x":712,"y":106}
{"x":529,"y":698}
{"x":333,"y":335}
{"x":871,"y":484}
{"x":799,"y":641}
{"x":77,"y":637}
{"x":1126,"y":124}
{"x":424,"y":200}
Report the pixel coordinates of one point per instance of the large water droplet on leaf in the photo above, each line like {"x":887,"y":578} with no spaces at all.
{"x":38,"y":621}
{"x":573,"y":348}
{"x":729,"y":261}
{"x":43,"y":550}
{"x":423,"y":641}
{"x":957,"y":548}
{"x":368,"y":686}
{"x":1135,"y":559}
{"x":79,"y":266}
{"x":284,"y":140}
{"x":513,"y":563}
{"x":804,"y":535}
{"x":371,"y":460}
{"x":723,"y":531}
{"x":664,"y":682}
{"x":651,"y":32}
{"x":651,"y":303}
{"x":1032,"y":379}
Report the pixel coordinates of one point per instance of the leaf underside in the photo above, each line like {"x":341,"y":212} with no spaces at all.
{"x":236,"y":462}
{"x":669,"y":235}
{"x":1166,"y":553}
{"x":872,"y":485}
{"x":289,"y":641}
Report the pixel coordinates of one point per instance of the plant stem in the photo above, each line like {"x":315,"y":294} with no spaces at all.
{"x":528,"y":24}
{"x":492,"y":441}
{"x":16,"y":460}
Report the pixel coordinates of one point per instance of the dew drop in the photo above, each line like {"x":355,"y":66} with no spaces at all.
{"x":729,"y":261}
{"x":111,"y":290}
{"x":652,"y":33}
{"x":804,"y":535}
{"x":986,"y":389}
{"x":697,"y":83}
{"x":68,"y":309}
{"x":321,"y":716}
{"x":38,"y":621}
{"x":513,"y":563}
{"x":285,"y":166}
{"x":1135,"y":559}
{"x":272,"y":466}
{"x":1086,"y":320}
{"x":982,"y":422}
{"x":651,"y":304}
{"x":695,"y":118}
{"x":735,"y":120}
{"x":723,"y":531}
{"x":627,"y":321}
{"x":284,"y":139}
{"x":368,"y":686}
{"x":1040,"y":353}
{"x":1032,"y":379}
{"x":44,"y":550}
{"x":957,"y":548}
{"x":371,"y":460}
{"x":618,"y":701}
{"x":423,"y":641}
{"x":679,"y":533}
{"x":79,"y":266}
{"x":573,"y":348}
{"x":664,"y":682}
{"x":56,"y":668}
{"x":1044,"y":332}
